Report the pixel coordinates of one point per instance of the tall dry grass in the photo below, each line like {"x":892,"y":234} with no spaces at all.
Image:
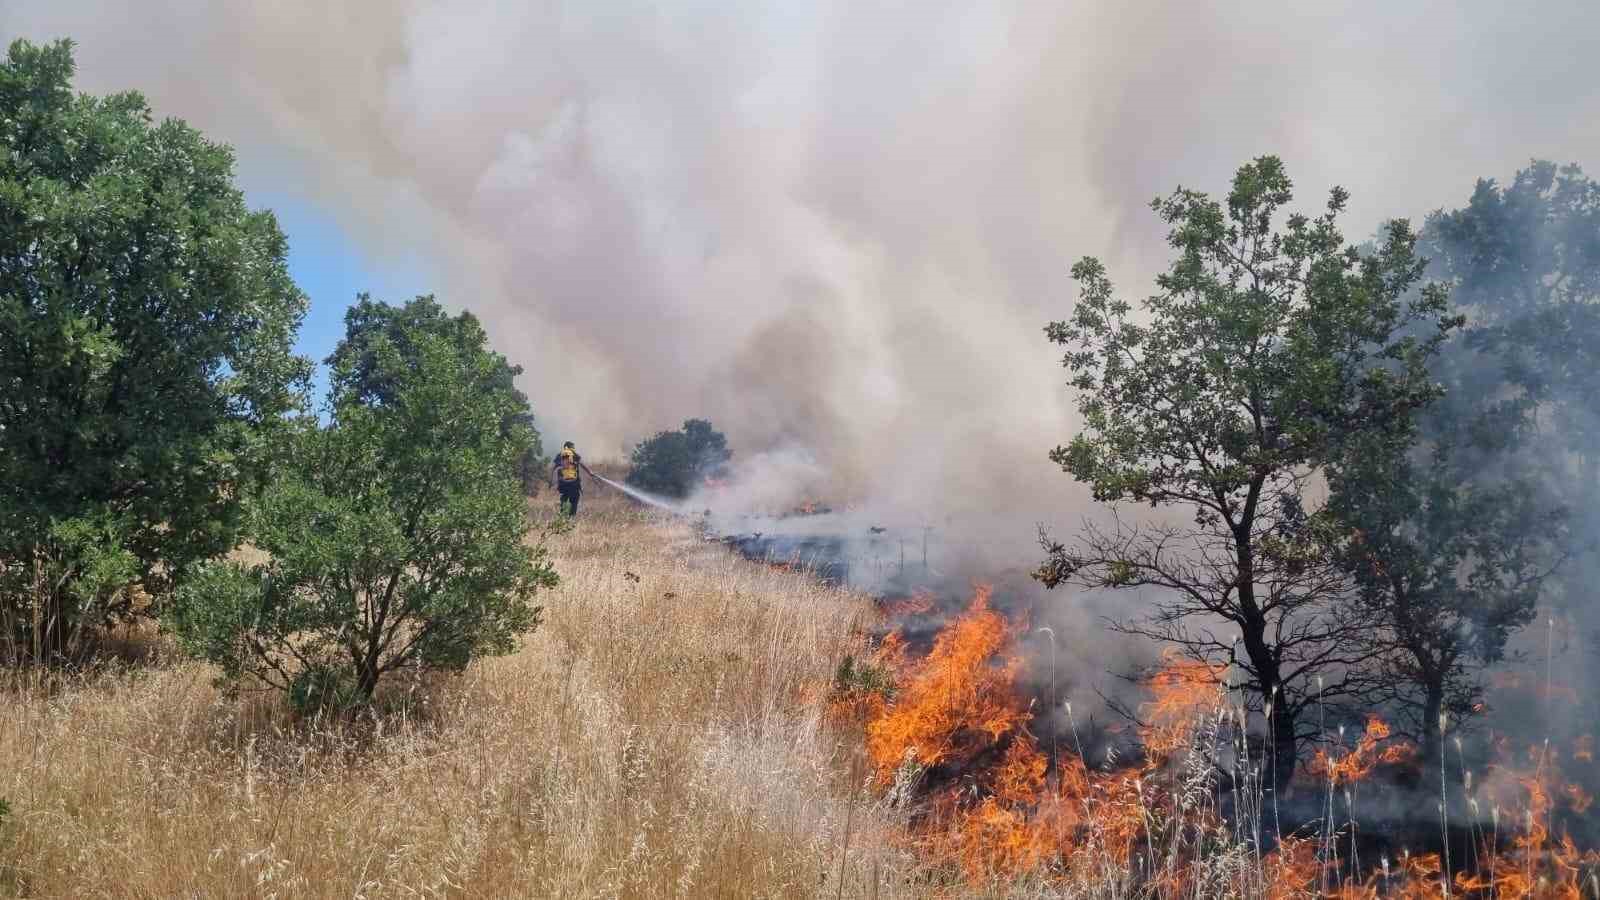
{"x":661,"y":735}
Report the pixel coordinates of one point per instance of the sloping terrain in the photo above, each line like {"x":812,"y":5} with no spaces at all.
{"x":661,"y":734}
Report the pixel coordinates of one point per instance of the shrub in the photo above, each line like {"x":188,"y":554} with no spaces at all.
{"x":863,"y":676}
{"x":673,"y":463}
{"x":396,"y":535}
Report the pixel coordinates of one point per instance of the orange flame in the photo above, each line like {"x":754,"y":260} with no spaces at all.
{"x":1183,"y":691}
{"x":995,"y":805}
{"x":958,"y":708}
{"x":957,"y":702}
{"x":1538,"y":866}
{"x":1364,"y":757}
{"x":1578,"y":799}
{"x":1293,"y":870}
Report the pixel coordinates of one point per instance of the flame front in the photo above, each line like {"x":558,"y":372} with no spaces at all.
{"x":1182,"y":692}
{"x":954,"y":733}
{"x":955,"y":703}
{"x":998,"y":806}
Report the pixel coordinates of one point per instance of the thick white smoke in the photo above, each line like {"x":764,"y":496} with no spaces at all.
{"x":834,"y":226}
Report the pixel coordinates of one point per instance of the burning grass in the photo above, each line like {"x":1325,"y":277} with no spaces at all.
{"x":1187,"y":816}
{"x":995,"y":805}
{"x":955,"y":703}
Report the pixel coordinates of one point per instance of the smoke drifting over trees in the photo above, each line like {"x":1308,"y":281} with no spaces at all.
{"x":832,"y":224}
{"x":1520,"y":421}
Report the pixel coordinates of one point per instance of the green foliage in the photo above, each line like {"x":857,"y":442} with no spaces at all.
{"x":397,"y":533}
{"x":1263,"y":350}
{"x":673,"y":463}
{"x":1524,"y":247}
{"x":323,"y":687}
{"x":1525,"y":261}
{"x":146,"y":325}
{"x":1118,"y":573}
{"x":1268,"y":349}
{"x":86,"y":563}
{"x":1453,"y":538}
{"x":1523,"y":398}
{"x":1451,"y":562}
{"x":356,"y":359}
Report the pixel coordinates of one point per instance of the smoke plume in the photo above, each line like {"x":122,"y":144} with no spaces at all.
{"x":834,"y":229}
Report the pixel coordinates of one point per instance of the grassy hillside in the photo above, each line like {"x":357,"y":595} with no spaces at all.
{"x":661,"y":735}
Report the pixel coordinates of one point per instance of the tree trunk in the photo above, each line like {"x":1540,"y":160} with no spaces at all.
{"x":1432,"y":737}
{"x":1282,"y":747}
{"x":1259,"y":648}
{"x":364,"y":665}
{"x":366,"y":680}
{"x":1285,"y":750}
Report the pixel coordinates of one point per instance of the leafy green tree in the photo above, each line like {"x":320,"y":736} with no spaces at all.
{"x":1524,"y":247}
{"x":674,"y":463}
{"x":1264,"y":350}
{"x":1453,"y":538}
{"x":396,"y":533}
{"x":1524,"y":379}
{"x":1450,"y":563}
{"x":146,"y":325}
{"x":369,"y":320}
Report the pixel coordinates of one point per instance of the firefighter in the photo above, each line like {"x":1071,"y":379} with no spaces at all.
{"x":565,"y":476}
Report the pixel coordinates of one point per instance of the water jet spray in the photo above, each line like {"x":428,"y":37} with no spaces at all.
{"x":641,"y":496}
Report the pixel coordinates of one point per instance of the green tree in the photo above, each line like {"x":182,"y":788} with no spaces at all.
{"x":1524,"y":378}
{"x":1521,"y":248}
{"x":354,"y":361}
{"x":1264,"y":349}
{"x":1453,"y":538}
{"x":673,"y":463}
{"x":1449,"y":559}
{"x":396,"y":533}
{"x":146,"y":325}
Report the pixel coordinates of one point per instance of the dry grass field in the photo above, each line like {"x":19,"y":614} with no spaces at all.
{"x":660,"y":735}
